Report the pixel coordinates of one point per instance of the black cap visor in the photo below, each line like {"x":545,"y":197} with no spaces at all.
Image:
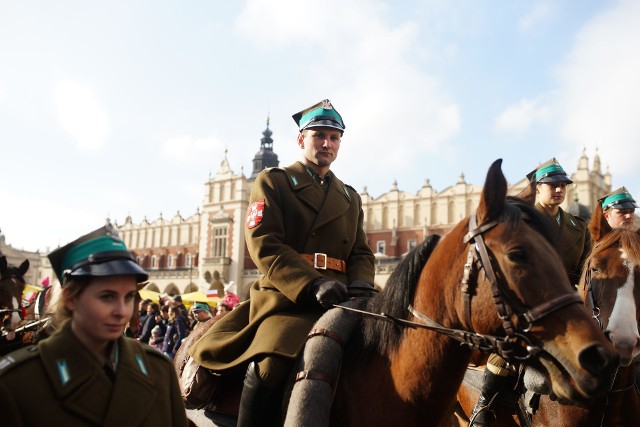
{"x":327,"y":123}
{"x":114,"y":267}
{"x":559,"y":177}
{"x":623,"y":205}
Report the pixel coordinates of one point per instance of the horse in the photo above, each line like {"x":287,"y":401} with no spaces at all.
{"x":610,"y":287}
{"x":493,"y":284}
{"x":12,"y":285}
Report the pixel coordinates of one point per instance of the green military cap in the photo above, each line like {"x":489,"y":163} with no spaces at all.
{"x":321,"y":114}
{"x":618,"y":199}
{"x":99,"y":253}
{"x":200,"y":306}
{"x":549,"y":171}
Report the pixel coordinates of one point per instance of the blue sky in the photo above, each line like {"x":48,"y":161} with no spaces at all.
{"x":125,"y":107}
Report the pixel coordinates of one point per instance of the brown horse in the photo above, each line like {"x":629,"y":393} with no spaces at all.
{"x":610,"y":286}
{"x":410,"y":376}
{"x":12,"y":285}
{"x":494,"y":274}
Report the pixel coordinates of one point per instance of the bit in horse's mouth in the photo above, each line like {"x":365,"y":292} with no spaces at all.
{"x":561,"y":380}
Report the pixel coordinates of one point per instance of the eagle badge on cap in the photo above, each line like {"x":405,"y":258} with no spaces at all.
{"x":255,"y":213}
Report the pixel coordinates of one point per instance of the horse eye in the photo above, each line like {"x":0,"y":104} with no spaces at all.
{"x":517,"y":256}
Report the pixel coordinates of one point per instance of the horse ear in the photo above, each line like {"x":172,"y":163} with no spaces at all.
{"x":24,"y":267}
{"x":528,"y":195}
{"x":493,"y":194}
{"x":598,"y":226}
{"x":3,"y":265}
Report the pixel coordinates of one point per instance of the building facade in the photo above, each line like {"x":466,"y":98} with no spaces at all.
{"x":207,"y":250}
{"x":395,"y":222}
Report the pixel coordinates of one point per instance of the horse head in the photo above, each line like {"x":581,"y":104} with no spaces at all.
{"x":12,"y":285}
{"x":517,"y":285}
{"x":610,"y":285}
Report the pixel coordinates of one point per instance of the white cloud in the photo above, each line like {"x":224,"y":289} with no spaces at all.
{"x":521,"y":116}
{"x":388,"y":98}
{"x":600,"y":88}
{"x":81,"y":115}
{"x":186,"y":149}
{"x":540,"y":13}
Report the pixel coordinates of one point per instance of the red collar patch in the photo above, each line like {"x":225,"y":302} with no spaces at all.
{"x":255,"y":213}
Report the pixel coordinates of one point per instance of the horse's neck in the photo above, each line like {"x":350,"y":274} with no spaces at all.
{"x":427,"y":369}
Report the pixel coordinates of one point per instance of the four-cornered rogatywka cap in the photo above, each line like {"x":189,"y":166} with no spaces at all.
{"x":550,"y":171}
{"x":618,"y":199}
{"x":321,"y":114}
{"x":99,"y":253}
{"x":200,"y":306}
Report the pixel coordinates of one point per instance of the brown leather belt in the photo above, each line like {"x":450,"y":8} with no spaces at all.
{"x":321,"y":261}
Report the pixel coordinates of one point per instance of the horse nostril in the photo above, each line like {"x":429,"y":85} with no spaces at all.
{"x":6,"y":322}
{"x":595,"y":359}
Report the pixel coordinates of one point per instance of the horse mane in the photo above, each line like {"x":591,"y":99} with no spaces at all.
{"x":383,"y":337}
{"x":625,"y":239}
{"x":396,"y":297}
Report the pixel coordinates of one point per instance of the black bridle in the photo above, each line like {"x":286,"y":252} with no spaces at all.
{"x":515,"y":345}
{"x":595,"y":309}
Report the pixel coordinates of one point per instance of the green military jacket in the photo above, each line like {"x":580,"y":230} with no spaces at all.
{"x":573,"y":244}
{"x":292,"y":215}
{"x":59,"y":382}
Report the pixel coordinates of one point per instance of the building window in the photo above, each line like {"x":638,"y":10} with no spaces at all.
{"x":380,"y":246}
{"x":188,"y":262}
{"x":411,"y":244}
{"x":219,"y":247}
{"x":170,"y":261}
{"x":153,"y":261}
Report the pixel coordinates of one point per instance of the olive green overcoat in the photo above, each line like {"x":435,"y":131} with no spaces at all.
{"x":573,"y":244}
{"x":298,"y":217}
{"x":60,"y":383}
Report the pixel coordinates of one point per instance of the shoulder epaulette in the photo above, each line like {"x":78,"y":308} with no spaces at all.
{"x":274,"y":169}
{"x":17,"y":358}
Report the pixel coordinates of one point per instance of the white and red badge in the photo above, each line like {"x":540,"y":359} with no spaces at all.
{"x":255,"y":213}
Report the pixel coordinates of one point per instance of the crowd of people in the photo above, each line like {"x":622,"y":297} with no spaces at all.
{"x":164,"y":327}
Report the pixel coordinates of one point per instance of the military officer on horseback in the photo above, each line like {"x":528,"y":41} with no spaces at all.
{"x":618,"y":208}
{"x":304,"y":231}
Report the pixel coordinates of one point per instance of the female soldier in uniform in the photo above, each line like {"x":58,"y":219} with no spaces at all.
{"x":573,"y":245}
{"x":88,"y":373}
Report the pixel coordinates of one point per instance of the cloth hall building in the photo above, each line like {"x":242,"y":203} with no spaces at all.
{"x":207,"y":249}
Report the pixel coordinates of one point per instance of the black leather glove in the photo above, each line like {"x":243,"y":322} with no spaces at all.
{"x":361,"y":289}
{"x":328,"y":292}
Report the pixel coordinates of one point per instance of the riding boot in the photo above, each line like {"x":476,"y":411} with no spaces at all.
{"x":253,"y":400}
{"x":482,"y":415}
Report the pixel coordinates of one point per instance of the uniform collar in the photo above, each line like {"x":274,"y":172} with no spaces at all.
{"x":83,"y":388}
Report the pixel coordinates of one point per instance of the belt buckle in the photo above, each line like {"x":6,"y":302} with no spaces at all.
{"x":315,"y":261}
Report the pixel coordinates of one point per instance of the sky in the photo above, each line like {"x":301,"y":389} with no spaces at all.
{"x":110,"y":109}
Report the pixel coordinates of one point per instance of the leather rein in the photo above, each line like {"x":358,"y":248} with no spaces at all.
{"x":515,"y":345}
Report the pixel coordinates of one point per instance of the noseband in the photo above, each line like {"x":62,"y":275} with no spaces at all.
{"x":515,"y":345}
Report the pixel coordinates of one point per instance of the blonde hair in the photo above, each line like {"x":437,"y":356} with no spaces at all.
{"x":73,"y":287}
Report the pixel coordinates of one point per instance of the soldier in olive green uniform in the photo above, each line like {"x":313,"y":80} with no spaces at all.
{"x":88,"y":373}
{"x":573,"y":245}
{"x":618,"y":208}
{"x":304,"y":231}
